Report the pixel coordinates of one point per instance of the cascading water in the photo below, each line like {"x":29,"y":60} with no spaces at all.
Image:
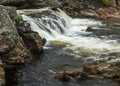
{"x":50,"y":25}
{"x":56,"y":25}
{"x":79,"y":47}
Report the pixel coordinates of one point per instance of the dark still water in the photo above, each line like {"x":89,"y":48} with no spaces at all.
{"x":39,"y":72}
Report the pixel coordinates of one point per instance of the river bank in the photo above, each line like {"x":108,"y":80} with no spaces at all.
{"x":18,"y":42}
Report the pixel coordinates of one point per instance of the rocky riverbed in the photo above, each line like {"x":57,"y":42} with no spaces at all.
{"x":19,"y":44}
{"x":17,"y":40}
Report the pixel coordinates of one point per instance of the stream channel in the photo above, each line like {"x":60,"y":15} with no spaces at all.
{"x":69,"y":45}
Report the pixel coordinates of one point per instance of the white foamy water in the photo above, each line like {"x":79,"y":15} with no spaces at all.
{"x":64,"y":28}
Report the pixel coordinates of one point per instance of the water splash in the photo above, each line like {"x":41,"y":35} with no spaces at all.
{"x":59,"y":26}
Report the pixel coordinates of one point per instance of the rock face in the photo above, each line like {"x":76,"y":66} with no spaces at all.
{"x":12,"y":48}
{"x":17,"y":41}
{"x":32,"y":39}
{"x":79,"y":8}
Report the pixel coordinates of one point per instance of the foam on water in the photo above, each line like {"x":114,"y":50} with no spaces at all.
{"x":73,"y":30}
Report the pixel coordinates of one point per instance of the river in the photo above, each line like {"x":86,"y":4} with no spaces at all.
{"x":69,"y":46}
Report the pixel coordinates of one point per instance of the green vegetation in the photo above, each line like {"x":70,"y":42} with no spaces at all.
{"x":17,"y":19}
{"x":106,"y":2}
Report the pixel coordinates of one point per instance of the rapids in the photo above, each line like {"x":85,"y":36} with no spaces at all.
{"x":68,"y":46}
{"x":58,"y":26}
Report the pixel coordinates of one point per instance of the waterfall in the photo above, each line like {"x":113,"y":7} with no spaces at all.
{"x":54,"y":24}
{"x":57,"y":25}
{"x":50,"y":25}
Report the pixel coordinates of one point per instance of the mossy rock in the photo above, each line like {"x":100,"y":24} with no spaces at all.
{"x":17,"y":19}
{"x":106,"y":2}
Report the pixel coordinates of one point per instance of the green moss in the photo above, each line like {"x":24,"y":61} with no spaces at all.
{"x":106,"y":2}
{"x":17,"y":19}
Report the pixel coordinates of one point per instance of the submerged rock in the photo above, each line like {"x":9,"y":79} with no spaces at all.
{"x":70,"y":74}
{"x":89,"y":29}
{"x":91,"y":70}
{"x":59,"y":43}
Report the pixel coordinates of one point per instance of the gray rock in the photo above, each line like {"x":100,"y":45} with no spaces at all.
{"x":89,"y":13}
{"x":12,"y":48}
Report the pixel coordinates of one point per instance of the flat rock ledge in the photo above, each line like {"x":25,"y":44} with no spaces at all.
{"x":90,"y":70}
{"x":17,"y":41}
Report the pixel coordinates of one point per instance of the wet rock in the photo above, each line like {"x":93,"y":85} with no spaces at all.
{"x":34,"y":42}
{"x":89,"y":29}
{"x":24,"y":28}
{"x":62,"y":76}
{"x":111,"y":70}
{"x":32,"y":39}
{"x":93,"y":68}
{"x":70,"y":74}
{"x":104,"y":32}
{"x":59,"y":43}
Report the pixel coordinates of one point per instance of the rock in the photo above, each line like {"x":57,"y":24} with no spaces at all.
{"x":31,"y":39}
{"x":113,"y":2}
{"x":70,"y":74}
{"x":24,"y":28}
{"x":89,"y":13}
{"x":108,"y":13}
{"x":89,"y":29}
{"x":12,"y":45}
{"x":2,"y":74}
{"x":59,"y":43}
{"x":106,"y":70}
{"x":34,"y":42}
{"x":62,"y":76}
{"x":113,"y":71}
{"x":93,"y":68}
{"x":11,"y":2}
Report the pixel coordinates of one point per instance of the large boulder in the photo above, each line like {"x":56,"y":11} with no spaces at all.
{"x":32,"y":39}
{"x":12,"y":48}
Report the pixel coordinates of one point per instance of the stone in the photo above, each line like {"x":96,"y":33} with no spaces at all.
{"x":93,"y":68}
{"x":59,"y":43}
{"x":2,"y":74}
{"x":62,"y":77}
{"x":89,"y":29}
{"x":11,"y":44}
{"x":70,"y":74}
{"x":11,"y":1}
{"x":89,"y":13}
{"x":34,"y":42}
